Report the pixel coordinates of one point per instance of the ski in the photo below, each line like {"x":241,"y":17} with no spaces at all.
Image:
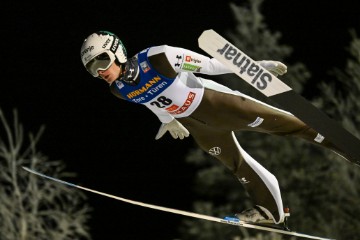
{"x":272,"y":87}
{"x":226,"y":220}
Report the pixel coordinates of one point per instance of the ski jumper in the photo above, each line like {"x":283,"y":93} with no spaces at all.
{"x":166,"y":84}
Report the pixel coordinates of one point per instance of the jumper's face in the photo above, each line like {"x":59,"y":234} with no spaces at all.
{"x":111,"y":73}
{"x":100,"y":62}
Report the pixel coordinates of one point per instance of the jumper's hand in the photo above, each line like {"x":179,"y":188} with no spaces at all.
{"x":176,"y":129}
{"x":275,"y":67}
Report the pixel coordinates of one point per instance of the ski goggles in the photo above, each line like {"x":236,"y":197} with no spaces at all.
{"x":100,"y":62}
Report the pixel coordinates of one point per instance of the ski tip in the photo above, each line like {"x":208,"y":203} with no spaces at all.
{"x":48,"y":177}
{"x":208,"y":30}
{"x":205,"y":35}
{"x":27,"y":169}
{"x":33,"y":171}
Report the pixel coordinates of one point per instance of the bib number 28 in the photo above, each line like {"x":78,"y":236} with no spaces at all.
{"x":162,"y":102}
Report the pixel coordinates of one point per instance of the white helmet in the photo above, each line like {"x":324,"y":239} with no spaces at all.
{"x":100,"y":50}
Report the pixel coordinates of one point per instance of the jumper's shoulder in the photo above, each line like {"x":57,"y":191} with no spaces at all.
{"x":154,"y":50}
{"x":161,"y":62}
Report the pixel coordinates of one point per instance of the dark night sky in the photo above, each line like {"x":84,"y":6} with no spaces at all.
{"x":110,"y":143}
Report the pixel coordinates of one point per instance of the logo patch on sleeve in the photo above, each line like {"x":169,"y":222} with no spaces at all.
{"x":144,"y":66}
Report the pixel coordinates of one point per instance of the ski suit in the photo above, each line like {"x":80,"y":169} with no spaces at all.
{"x":165,"y":82}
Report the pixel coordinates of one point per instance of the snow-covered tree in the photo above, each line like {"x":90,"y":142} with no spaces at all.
{"x":33,"y":208}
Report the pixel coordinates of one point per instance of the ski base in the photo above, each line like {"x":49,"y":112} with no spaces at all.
{"x":226,"y":220}
{"x":276,"y":90}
